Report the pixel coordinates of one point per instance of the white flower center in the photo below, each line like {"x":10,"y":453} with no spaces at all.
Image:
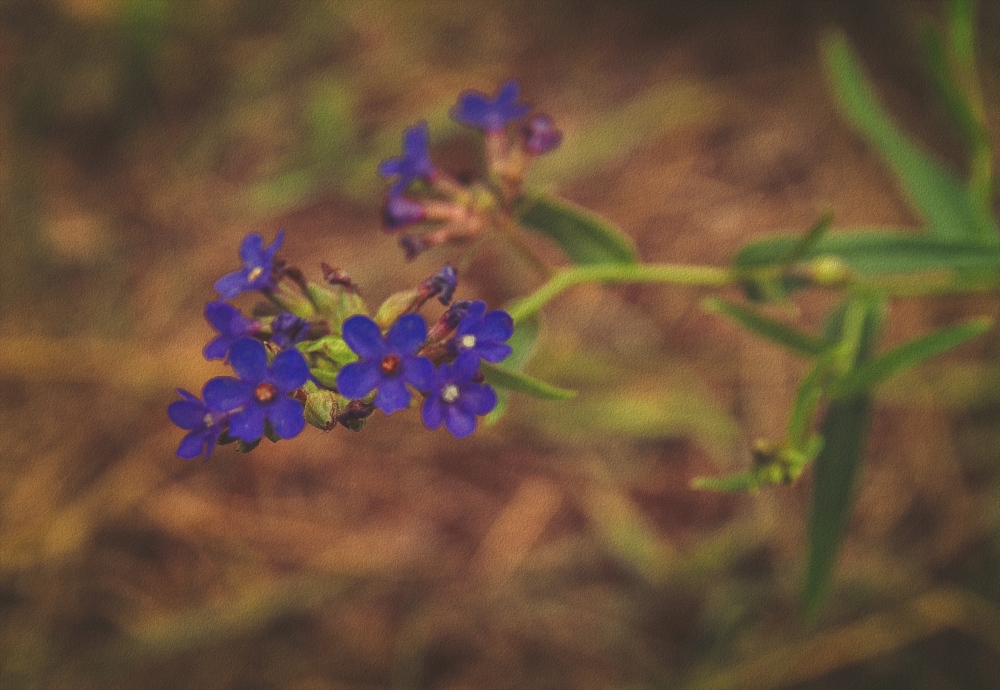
{"x":468,"y":341}
{"x":255,"y":273}
{"x":208,"y":420}
{"x":449,"y":393}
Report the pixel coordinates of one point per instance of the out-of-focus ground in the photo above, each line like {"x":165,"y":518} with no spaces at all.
{"x":560,"y":548}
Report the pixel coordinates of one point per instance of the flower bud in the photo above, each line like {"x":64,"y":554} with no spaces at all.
{"x":540,"y":135}
{"x":829,"y":271}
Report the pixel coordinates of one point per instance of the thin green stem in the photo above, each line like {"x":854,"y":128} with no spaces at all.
{"x":707,"y":276}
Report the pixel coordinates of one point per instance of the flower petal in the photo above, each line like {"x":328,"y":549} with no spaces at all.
{"x":251,"y":248}
{"x":472,"y":318}
{"x":289,"y":370}
{"x":465,"y":367}
{"x":459,"y":422}
{"x":433,"y":411}
{"x":225,"y":394}
{"x":231,"y":284}
{"x":273,"y":248}
{"x":247,"y":425}
{"x":187,"y":414}
{"x":393,"y":395}
{"x":287,"y":417}
{"x":248,"y":359}
{"x":356,"y":380}
{"x":391,"y":167}
{"x":220,"y":315}
{"x":477,"y":399}
{"x":218,"y":347}
{"x":494,"y":352}
{"x":192,"y":445}
{"x":418,"y":372}
{"x":407,"y":335}
{"x":497,"y":327}
{"x":364,"y":337}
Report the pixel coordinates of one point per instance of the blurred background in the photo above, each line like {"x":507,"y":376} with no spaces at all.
{"x":140,"y":140}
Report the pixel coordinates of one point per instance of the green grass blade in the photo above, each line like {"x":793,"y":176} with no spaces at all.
{"x":844,"y":430}
{"x":936,"y":194}
{"x":876,"y":370}
{"x":775,"y":331}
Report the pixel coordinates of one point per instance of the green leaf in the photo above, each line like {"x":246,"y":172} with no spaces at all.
{"x":873,"y":372}
{"x":936,"y":194}
{"x":962,"y":32}
{"x":734,"y":483}
{"x":954,"y":99}
{"x":844,"y":430}
{"x":809,"y":240}
{"x":874,"y":253}
{"x":775,"y":331}
{"x":512,"y":380}
{"x":584,"y":237}
{"x":804,"y":406}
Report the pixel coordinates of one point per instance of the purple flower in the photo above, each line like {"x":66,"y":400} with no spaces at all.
{"x":482,"y":336}
{"x":231,"y":326}
{"x":540,"y":135}
{"x":415,"y":163}
{"x":388,"y":363}
{"x":260,"y":394}
{"x":287,"y":329}
{"x":441,"y":285}
{"x":258,"y":269}
{"x":476,"y":109}
{"x":206,"y":422}
{"x":400,"y":211}
{"x":455,"y":398}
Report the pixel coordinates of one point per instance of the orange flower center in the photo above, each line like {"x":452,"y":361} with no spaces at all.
{"x":265,"y":392}
{"x":390,"y":365}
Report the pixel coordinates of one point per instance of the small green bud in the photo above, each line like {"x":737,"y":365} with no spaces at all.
{"x":395,"y":306}
{"x":829,"y":271}
{"x":322,"y":407}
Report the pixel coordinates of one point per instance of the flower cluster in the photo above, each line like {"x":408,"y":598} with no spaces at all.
{"x":513,"y":139}
{"x":311,"y":354}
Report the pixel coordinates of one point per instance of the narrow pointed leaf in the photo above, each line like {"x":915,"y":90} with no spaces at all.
{"x":767,"y":327}
{"x":583,"y":236}
{"x":951,"y":94}
{"x":844,"y":431}
{"x":509,"y":379}
{"x":874,"y":252}
{"x":876,"y":370}
{"x":745,"y":481}
{"x":809,"y":240}
{"x":937,"y":195}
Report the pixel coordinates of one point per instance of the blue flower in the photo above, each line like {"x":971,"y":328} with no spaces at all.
{"x":401,"y":211}
{"x":482,"y":336}
{"x":476,"y":109}
{"x":540,"y":135}
{"x":231,"y":326}
{"x":206,"y":422}
{"x":260,"y":394}
{"x":258,"y":267}
{"x":388,"y":363}
{"x":415,"y":163}
{"x":456,"y":398}
{"x":287,"y":329}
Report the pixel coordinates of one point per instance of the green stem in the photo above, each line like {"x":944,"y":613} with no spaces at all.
{"x":566,"y":278}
